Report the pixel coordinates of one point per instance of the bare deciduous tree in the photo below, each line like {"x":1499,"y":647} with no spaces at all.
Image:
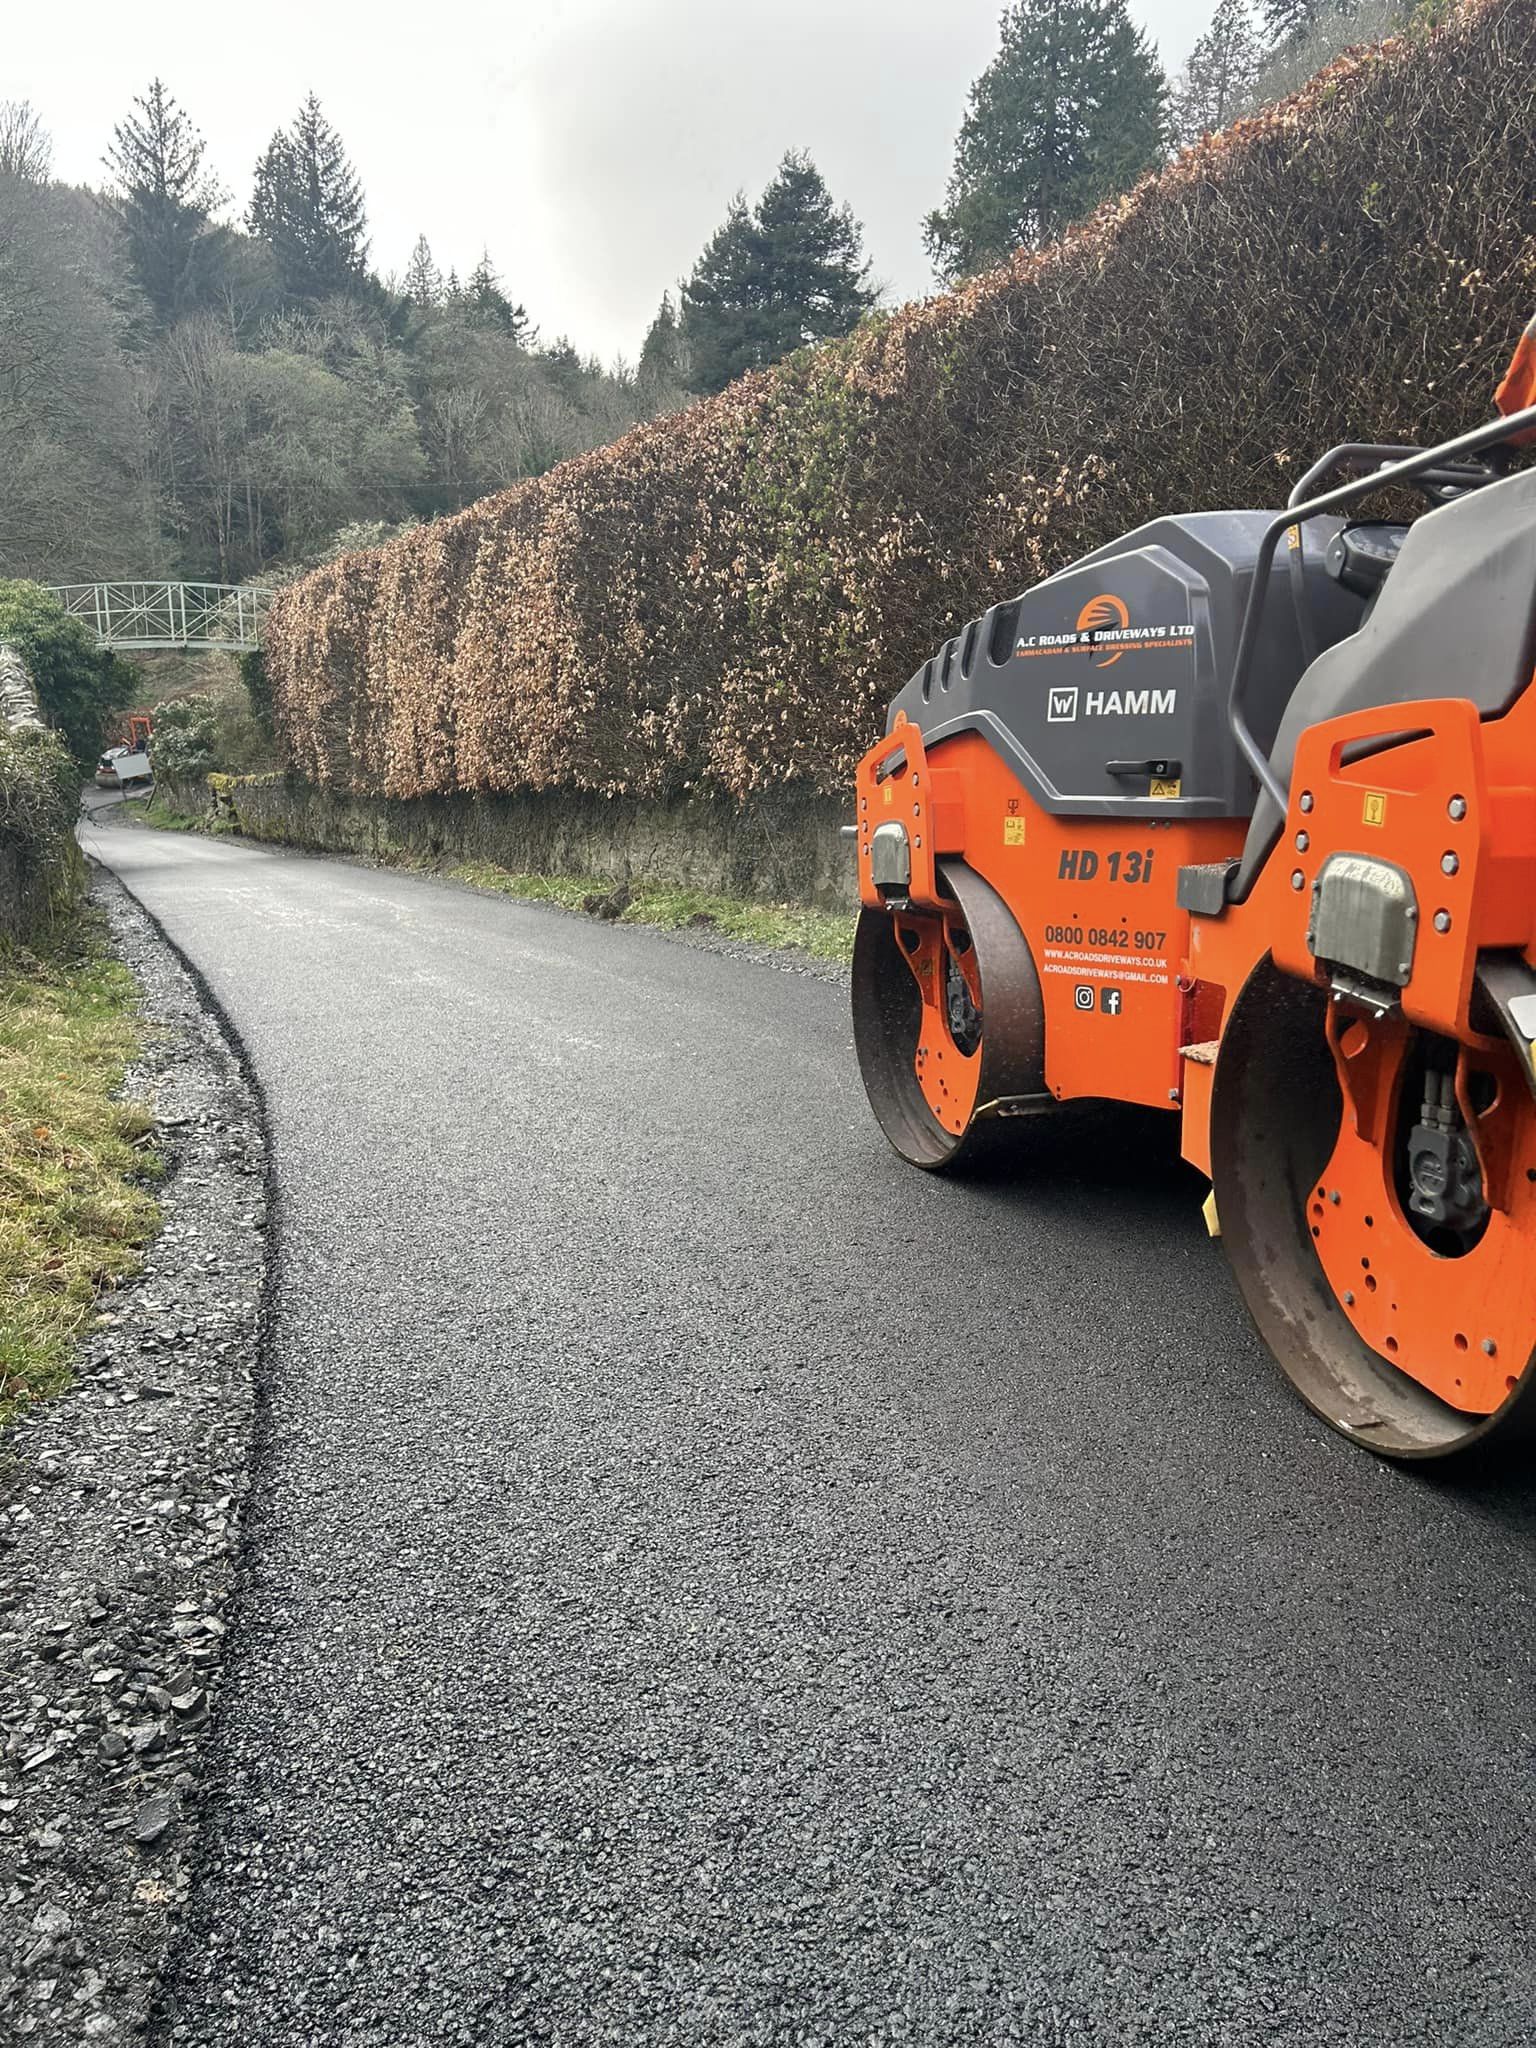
{"x":26,"y":150}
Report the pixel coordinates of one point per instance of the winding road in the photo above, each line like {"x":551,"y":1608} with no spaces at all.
{"x":710,"y":1584}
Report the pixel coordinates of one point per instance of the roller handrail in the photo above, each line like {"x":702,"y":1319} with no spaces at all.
{"x":1418,"y":464}
{"x":1378,"y":452}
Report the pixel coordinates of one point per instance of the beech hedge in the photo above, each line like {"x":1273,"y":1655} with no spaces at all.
{"x":727,"y":597}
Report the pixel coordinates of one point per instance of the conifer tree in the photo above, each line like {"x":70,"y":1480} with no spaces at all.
{"x":661,"y":353}
{"x":162,"y":198}
{"x":489,"y":306}
{"x":718,"y":320}
{"x":308,"y":207}
{"x":1217,"y":82}
{"x":772,"y":279}
{"x":1070,"y":111}
{"x":1287,"y":22}
{"x":565,"y":371}
{"x":423,"y":281}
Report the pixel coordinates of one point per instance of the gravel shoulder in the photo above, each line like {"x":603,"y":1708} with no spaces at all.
{"x":120,"y":1518}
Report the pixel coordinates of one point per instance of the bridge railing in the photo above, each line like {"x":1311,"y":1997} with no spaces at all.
{"x":193,"y":615}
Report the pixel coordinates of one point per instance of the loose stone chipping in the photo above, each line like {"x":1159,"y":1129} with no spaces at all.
{"x":120,"y":1518}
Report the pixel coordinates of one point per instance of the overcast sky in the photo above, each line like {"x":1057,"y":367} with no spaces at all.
{"x":591,"y":145}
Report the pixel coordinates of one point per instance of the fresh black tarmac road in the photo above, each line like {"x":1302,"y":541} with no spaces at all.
{"x":709,"y":1583}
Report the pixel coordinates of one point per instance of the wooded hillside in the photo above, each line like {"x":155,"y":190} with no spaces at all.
{"x":727,"y":597}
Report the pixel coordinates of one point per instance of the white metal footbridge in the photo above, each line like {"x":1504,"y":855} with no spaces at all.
{"x":192,"y":615}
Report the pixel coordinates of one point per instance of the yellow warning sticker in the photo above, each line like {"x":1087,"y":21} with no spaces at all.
{"x":890,"y":791}
{"x":1161,"y":786}
{"x":1013,"y":831}
{"x":1374,"y":810}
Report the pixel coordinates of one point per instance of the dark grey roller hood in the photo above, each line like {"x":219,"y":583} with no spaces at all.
{"x":1112,"y":676}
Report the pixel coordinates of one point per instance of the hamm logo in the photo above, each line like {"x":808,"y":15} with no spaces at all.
{"x":1060,"y":705}
{"x":1104,"y":614}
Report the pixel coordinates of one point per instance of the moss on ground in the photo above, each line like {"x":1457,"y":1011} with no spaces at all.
{"x":74,"y":1208}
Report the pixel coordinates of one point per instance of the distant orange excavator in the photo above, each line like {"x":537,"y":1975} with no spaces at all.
{"x":1236,"y":817}
{"x":127,"y":760}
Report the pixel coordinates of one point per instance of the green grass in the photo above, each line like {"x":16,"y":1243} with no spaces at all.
{"x":166,"y":818}
{"x":826,"y":934}
{"x":73,"y":1208}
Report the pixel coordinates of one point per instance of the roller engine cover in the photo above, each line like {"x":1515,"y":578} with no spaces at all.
{"x":1094,"y":679}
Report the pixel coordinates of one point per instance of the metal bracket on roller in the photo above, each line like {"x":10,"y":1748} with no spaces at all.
{"x":1363,"y":926}
{"x":890,"y":861}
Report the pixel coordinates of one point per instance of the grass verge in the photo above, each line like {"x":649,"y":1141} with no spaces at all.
{"x":74,"y":1210}
{"x":826,"y":934}
{"x":160,"y":812}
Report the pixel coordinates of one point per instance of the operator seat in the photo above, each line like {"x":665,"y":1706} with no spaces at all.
{"x":1455,"y":618}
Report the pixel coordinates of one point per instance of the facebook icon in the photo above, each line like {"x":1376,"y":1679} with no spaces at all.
{"x":1109,"y":1001}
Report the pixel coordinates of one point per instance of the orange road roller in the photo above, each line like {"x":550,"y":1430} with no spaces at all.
{"x":1236,"y":818}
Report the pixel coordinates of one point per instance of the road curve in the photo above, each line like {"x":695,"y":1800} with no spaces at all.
{"x":711,"y":1584}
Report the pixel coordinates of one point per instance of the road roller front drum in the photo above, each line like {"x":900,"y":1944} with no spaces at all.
{"x":948,"y":1020}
